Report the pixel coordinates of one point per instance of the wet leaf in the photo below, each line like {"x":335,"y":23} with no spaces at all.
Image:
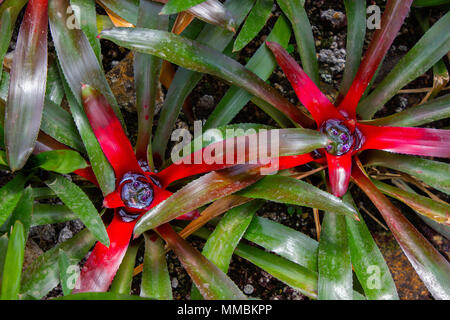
{"x":434,"y":110}
{"x":23,"y":212}
{"x":64,"y":274}
{"x":431,"y":172}
{"x":255,"y":21}
{"x":429,"y":50}
{"x":262,"y":63}
{"x":212,"y":282}
{"x":222,"y":242}
{"x":155,"y":275}
{"x":335,"y":267}
{"x":175,"y":6}
{"x":124,"y":276}
{"x":292,"y":191}
{"x":23,"y":110}
{"x":50,"y":213}
{"x":126,"y":9}
{"x":77,"y":201}
{"x":43,"y":274}
{"x":198,"y":57}
{"x":430,"y":265}
{"x":296,"y":13}
{"x":437,"y":211}
{"x":368,"y":262}
{"x":12,"y":268}
{"x":10,"y":194}
{"x":60,"y":161}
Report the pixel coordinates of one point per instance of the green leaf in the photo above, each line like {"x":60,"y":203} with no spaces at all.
{"x":429,"y":3}
{"x":429,"y":50}
{"x":199,"y":192}
{"x":100,"y":165}
{"x":212,"y":282}
{"x":146,"y":78}
{"x":356,"y":31}
{"x":77,"y":201}
{"x":215,"y":185}
{"x":284,"y":241}
{"x":76,"y":56}
{"x":50,"y":214}
{"x":9,"y":11}
{"x":43,"y":274}
{"x":295,"y":11}
{"x":23,"y":211}
{"x":64,"y":274}
{"x":25,"y":103}
{"x":335,"y":267}
{"x":255,"y":21}
{"x":431,"y":172}
{"x":60,"y":161}
{"x":222,"y":242}
{"x":368,"y":262}
{"x":185,"y":80}
{"x":292,"y":274}
{"x":126,"y":9}
{"x":262,"y":63}
{"x":433,"y":110}
{"x":12,"y":269}
{"x":155,"y":275}
{"x":175,"y":6}
{"x":214,"y":12}
{"x":434,"y":210}
{"x":10,"y":194}
{"x":88,"y":23}
{"x":430,"y":265}
{"x":124,"y":276}
{"x":292,"y":191}
{"x":3,"y":250}
{"x":55,"y":90}
{"x":198,"y":57}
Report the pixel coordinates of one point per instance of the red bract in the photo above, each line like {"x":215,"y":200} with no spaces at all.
{"x":137,"y":190}
{"x":347,"y":135}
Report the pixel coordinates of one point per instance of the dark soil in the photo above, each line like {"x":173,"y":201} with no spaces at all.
{"x":208,"y":93}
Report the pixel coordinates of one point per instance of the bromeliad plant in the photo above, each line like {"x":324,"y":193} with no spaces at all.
{"x":136,"y":183}
{"x":344,"y":125}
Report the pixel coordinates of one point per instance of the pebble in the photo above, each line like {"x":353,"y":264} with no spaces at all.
{"x":65,"y":234}
{"x":336,"y":18}
{"x":174,"y":283}
{"x":248,"y":289}
{"x":206,"y":102}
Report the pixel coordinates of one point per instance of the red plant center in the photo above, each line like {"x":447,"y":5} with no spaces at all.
{"x":136,"y":192}
{"x":342,"y":138}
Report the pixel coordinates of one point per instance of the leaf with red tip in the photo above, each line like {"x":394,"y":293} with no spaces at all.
{"x":248,"y":148}
{"x":391,"y":22}
{"x":109,"y":132}
{"x":307,"y":92}
{"x":339,"y":172}
{"x":430,"y":265}
{"x":103,"y":262}
{"x":212,"y":282}
{"x":76,"y":56}
{"x":198,"y":57}
{"x":26,"y":95}
{"x":417,"y":141}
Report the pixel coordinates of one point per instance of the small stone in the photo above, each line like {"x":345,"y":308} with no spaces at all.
{"x":65,"y":234}
{"x":336,"y":18}
{"x":206,"y":102}
{"x":174,"y":283}
{"x":248,"y":289}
